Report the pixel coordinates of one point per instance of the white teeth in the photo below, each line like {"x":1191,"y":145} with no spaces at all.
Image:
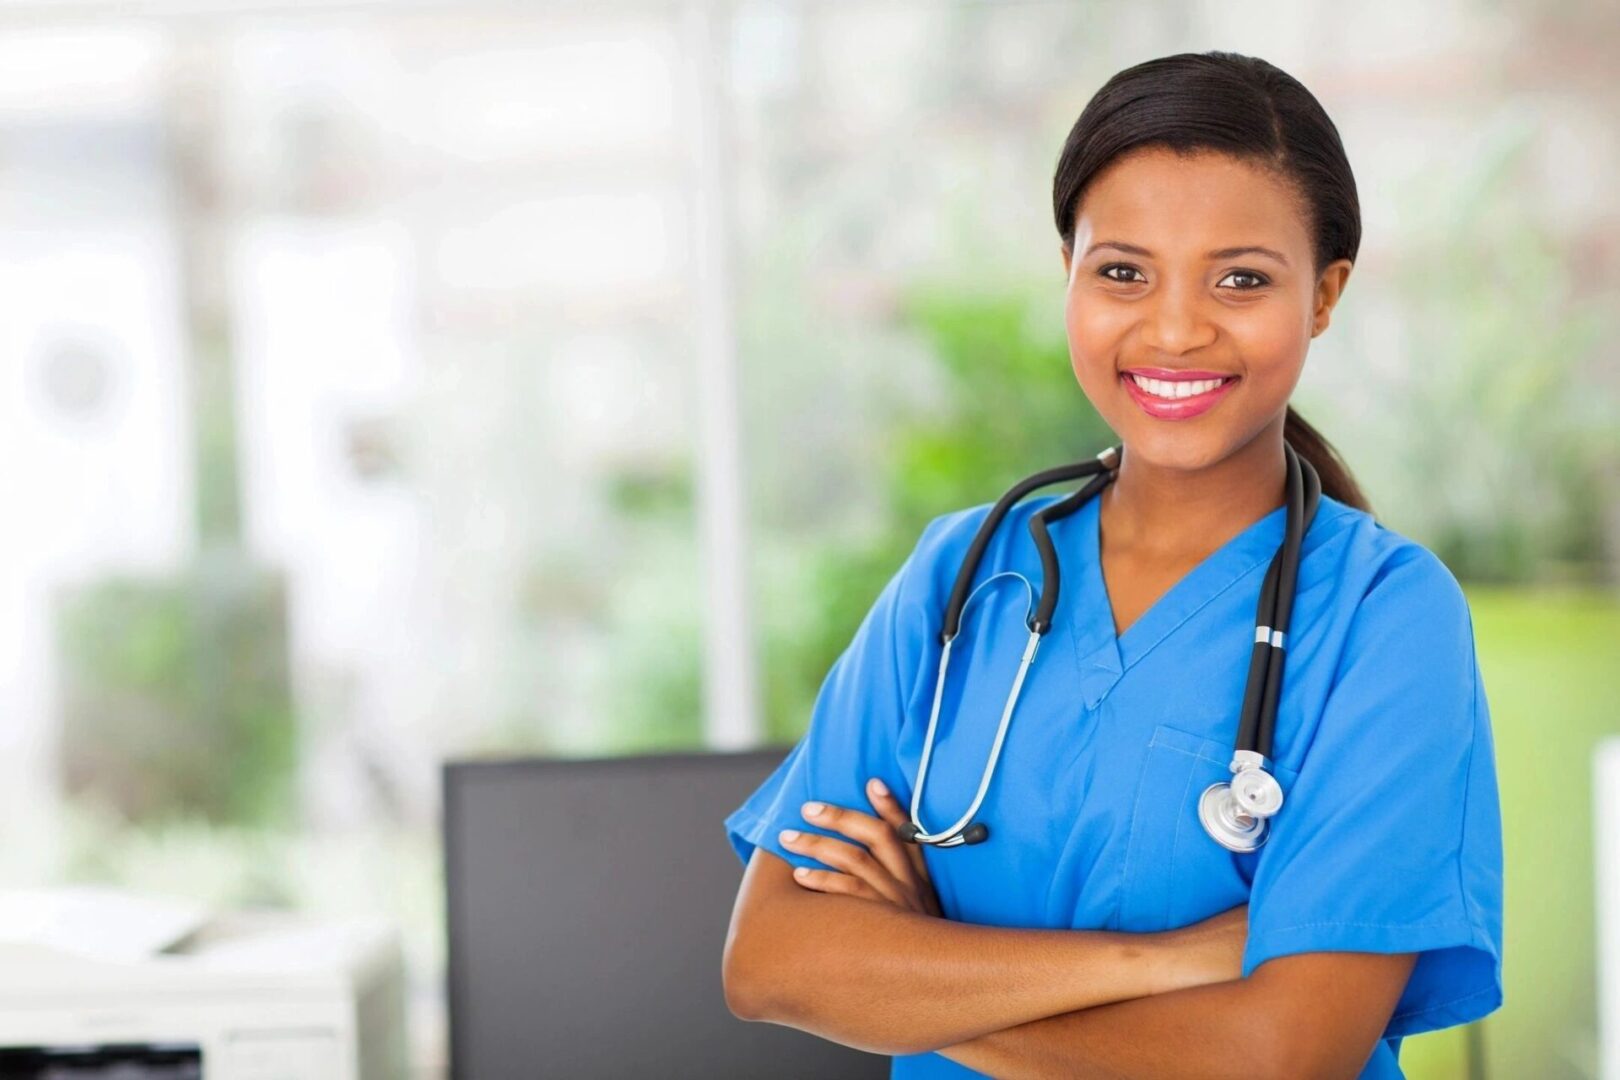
{"x":1179,"y":389}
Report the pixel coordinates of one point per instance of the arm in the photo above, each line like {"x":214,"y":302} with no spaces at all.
{"x":1305,"y":1015}
{"x":888,"y":980}
{"x":1388,"y":856}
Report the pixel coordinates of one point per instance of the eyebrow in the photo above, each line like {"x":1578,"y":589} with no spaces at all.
{"x":1219,"y":253}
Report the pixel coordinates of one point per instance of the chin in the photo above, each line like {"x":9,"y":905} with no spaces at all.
{"x":1176,"y":446}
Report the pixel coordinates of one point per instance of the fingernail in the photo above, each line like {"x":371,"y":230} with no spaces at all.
{"x":878,"y":788}
{"x":801,"y":871}
{"x":789,"y":835}
{"x":811,"y":809}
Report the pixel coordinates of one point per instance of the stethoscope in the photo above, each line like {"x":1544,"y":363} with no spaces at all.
{"x":1234,"y":813}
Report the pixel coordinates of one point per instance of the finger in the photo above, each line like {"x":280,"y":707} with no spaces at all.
{"x":831,"y":881}
{"x":852,"y":859}
{"x":889,"y":808}
{"x":878,"y":838}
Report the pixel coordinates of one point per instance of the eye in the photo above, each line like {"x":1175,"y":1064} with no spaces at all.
{"x":1103,"y":272}
{"x":1259,"y":279}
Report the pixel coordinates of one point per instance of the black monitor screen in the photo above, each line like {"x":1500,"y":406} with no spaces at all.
{"x":588,"y":903}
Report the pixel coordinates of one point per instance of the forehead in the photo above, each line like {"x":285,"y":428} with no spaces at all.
{"x":1164,"y":201}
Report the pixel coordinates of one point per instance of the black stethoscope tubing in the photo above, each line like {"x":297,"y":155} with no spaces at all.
{"x":1234,"y":814}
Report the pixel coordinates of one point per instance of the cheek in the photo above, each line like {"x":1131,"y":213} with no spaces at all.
{"x":1272,"y":350}
{"x":1097,"y":333}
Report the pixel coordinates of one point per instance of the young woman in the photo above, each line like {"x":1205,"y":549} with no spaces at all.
{"x":1209,"y":223}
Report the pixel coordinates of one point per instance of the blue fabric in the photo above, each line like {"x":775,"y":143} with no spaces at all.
{"x":1389,"y":839}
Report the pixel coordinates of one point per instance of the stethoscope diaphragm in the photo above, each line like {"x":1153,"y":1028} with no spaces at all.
{"x":1234,"y":812}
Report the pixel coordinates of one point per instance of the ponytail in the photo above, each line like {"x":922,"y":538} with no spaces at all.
{"x":1309,"y":444}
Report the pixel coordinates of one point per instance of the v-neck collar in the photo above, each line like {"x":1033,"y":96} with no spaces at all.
{"x":1105,"y":656}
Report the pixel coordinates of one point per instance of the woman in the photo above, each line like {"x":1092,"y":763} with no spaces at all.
{"x":1209,"y":223}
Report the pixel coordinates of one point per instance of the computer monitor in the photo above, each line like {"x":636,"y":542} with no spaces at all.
{"x":588,"y":902}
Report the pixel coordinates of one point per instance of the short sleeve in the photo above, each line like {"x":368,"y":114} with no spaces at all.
{"x":855,"y":723}
{"x":1390,"y":839}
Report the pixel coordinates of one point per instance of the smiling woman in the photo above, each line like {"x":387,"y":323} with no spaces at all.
{"x":1208,"y":224}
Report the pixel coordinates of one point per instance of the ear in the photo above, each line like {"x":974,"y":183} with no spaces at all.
{"x":1329,"y":288}
{"x":1067,"y":256}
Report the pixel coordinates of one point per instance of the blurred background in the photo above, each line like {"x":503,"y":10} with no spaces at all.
{"x":386,"y":382}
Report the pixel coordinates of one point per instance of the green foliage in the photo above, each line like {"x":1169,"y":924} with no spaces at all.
{"x":653,"y":490}
{"x":1496,"y":435}
{"x":176,"y":696}
{"x":1009,"y":406}
{"x":654,"y":673}
{"x":1013,"y":405}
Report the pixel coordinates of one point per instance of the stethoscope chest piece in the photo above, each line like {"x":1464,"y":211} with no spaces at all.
{"x":1234,"y":813}
{"x":1225,"y":823}
{"x":1257,"y":792}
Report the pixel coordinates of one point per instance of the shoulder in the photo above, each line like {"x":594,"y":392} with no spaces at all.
{"x":951,"y":533}
{"x":1387,"y":569}
{"x":931,"y":569}
{"x":1386,"y":661}
{"x":1396,"y":599}
{"x":946,"y":540}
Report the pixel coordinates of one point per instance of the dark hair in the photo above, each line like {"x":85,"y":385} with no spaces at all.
{"x":1245,"y":107}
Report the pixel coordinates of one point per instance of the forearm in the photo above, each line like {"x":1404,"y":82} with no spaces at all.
{"x":884,"y":979}
{"x":1214,"y":1031}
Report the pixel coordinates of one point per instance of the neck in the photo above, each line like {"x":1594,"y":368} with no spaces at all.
{"x":1186,"y":513}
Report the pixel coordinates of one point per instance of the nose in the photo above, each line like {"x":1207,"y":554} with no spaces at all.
{"x":1175,"y":321}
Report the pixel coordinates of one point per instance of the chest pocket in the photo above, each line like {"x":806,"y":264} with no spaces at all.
{"x":1175,"y":874}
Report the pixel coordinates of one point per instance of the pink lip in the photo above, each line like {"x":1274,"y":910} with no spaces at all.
{"x":1181,"y":408}
{"x":1175,"y":375}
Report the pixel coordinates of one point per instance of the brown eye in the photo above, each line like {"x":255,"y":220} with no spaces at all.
{"x":1258,"y":279}
{"x":1103,"y":272}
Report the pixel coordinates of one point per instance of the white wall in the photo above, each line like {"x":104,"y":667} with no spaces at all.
{"x":1606,"y":824}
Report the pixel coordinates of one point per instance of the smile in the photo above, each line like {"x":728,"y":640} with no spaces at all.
{"x":1177,"y":398}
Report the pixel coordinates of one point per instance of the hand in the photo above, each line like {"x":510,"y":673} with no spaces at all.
{"x":881,"y":867}
{"x":1207,"y":952}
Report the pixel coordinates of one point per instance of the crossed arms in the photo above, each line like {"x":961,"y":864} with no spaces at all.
{"x":1039,"y":1003}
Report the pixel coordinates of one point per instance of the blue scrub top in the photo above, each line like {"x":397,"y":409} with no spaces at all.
{"x":1389,"y":839}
